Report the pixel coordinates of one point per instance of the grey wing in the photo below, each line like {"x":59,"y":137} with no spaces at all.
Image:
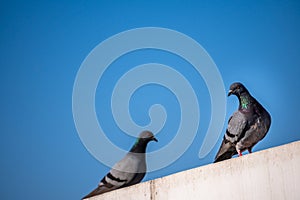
{"x":136,"y":179}
{"x":131,"y":168}
{"x":119,"y":176}
{"x":125,"y":169}
{"x":135,"y":166}
{"x":113,"y":180}
{"x":256,"y":132}
{"x":236,"y":127}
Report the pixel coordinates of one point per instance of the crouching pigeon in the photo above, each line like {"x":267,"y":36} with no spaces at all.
{"x":128,"y":171}
{"x":247,"y":126}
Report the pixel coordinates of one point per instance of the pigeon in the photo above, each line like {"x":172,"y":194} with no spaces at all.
{"x":246,"y":127}
{"x":128,"y":171}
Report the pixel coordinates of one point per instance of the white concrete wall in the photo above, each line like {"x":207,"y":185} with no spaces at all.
{"x":270,"y":174}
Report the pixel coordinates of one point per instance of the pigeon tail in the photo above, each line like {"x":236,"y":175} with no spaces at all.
{"x":93,"y":193}
{"x":226,"y":151}
{"x":128,"y":171}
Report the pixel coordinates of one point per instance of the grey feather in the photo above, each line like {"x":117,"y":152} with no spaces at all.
{"x":236,"y":126}
{"x":246,"y":127}
{"x":128,"y":171}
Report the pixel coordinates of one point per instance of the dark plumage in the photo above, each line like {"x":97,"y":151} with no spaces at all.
{"x":247,"y":126}
{"x":128,"y":171}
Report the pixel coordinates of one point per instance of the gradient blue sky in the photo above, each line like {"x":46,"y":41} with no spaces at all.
{"x":43,"y":44}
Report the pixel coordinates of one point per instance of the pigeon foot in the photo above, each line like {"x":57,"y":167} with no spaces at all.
{"x":250,"y":150}
{"x":240,"y":153}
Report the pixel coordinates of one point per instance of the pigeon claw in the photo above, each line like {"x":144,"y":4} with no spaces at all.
{"x":240,"y":153}
{"x":249,"y":150}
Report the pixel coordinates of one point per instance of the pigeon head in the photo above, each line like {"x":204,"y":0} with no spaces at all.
{"x":237,"y":89}
{"x":146,"y":136}
{"x":142,"y":141}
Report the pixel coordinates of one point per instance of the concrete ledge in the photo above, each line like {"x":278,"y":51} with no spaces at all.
{"x":269,"y":174}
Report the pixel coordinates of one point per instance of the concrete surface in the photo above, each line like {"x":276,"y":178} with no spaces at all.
{"x":269,"y":174}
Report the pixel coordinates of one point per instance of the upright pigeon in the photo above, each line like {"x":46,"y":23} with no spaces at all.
{"x":247,"y":126}
{"x":128,"y":171}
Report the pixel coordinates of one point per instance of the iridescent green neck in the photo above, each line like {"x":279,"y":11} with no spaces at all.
{"x":244,"y":101}
{"x":139,"y":146}
{"x":136,"y":142}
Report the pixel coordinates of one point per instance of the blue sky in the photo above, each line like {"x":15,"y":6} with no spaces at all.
{"x":43,"y":44}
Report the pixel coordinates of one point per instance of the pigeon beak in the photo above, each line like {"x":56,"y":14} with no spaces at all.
{"x":154,"y":139}
{"x":230,"y":93}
